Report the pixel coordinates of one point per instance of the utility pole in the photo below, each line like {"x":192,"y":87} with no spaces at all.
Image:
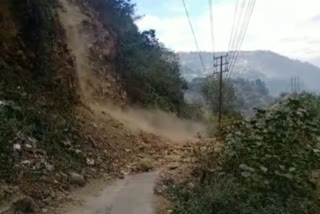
{"x":222,"y":63}
{"x":295,"y":85}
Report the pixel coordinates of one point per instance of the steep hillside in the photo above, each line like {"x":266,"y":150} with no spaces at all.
{"x":64,"y":95}
{"x":94,"y":50}
{"x":274,"y":69}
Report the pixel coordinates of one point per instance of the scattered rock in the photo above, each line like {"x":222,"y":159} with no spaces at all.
{"x":17,"y":147}
{"x":49,"y":167}
{"x":24,"y":205}
{"x":90,"y":162}
{"x":191,"y":185}
{"x":173,"y":166}
{"x":94,"y":125}
{"x":28,"y":146}
{"x":174,"y":157}
{"x":76,"y":178}
{"x":121,"y":175}
{"x":26,"y":162}
{"x":78,"y":151}
{"x":67,"y":143}
{"x":145,"y":165}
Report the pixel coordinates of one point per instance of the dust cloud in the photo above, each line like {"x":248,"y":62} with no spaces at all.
{"x":153,"y":121}
{"x":72,"y":20}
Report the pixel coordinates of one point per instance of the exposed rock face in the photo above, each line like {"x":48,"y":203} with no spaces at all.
{"x":94,"y":51}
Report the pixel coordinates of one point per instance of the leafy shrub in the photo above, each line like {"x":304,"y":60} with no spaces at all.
{"x":210,"y":90}
{"x":50,"y":129}
{"x":268,"y":163}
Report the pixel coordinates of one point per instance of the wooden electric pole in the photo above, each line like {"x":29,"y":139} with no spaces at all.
{"x":222,"y":63}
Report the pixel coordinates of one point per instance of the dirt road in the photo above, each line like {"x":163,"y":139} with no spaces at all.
{"x":132,"y":195}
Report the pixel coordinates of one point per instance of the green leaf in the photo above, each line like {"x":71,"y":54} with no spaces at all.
{"x":288,"y":175}
{"x":264,"y":169}
{"x":246,"y":174}
{"x":292,"y":169}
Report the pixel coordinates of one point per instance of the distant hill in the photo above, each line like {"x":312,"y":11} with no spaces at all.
{"x":316,"y":61}
{"x":274,"y":69}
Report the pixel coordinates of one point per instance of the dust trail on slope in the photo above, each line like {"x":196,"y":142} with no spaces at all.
{"x":72,"y":20}
{"x":153,"y":121}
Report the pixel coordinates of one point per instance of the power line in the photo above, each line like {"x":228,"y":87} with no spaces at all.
{"x":233,"y":25}
{"x":236,"y":36}
{"x":212,"y":29}
{"x":246,"y":22}
{"x":239,"y":26}
{"x":242,"y":31}
{"x":194,"y":34}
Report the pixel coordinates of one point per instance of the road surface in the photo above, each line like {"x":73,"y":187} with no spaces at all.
{"x":132,"y":195}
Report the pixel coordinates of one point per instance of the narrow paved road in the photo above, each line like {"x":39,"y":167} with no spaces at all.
{"x":132,"y":195}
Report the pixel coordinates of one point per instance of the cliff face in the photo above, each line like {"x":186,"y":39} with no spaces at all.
{"x":66,"y":48}
{"x":94,"y":51}
{"x":35,"y":60}
{"x":54,"y":61}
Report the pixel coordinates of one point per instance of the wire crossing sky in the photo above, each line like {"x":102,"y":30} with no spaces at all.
{"x":193,"y":34}
{"x":288,"y":27}
{"x":235,"y":50}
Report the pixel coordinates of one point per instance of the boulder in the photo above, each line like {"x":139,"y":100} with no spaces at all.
{"x":76,"y":178}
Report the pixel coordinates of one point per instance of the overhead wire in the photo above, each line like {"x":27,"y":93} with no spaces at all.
{"x":194,"y":35}
{"x":240,"y":20}
{"x":243,"y":33}
{"x":233,"y":24}
{"x":212,"y":31}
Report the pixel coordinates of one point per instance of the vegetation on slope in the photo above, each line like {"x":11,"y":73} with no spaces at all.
{"x":45,"y":144}
{"x":150,"y":72}
{"x":239,"y":95}
{"x":269,"y":164}
{"x":36,"y":100}
{"x":275,"y":70}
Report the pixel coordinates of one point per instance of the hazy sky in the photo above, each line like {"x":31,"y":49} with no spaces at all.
{"x":289,"y":27}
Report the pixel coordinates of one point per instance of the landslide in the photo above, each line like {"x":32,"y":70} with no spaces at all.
{"x":63,"y":120}
{"x":50,"y":139}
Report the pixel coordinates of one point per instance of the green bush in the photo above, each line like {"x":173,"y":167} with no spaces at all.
{"x":268,"y":164}
{"x":50,"y":129}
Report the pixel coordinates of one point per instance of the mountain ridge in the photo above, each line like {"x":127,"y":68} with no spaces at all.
{"x":275,"y":69}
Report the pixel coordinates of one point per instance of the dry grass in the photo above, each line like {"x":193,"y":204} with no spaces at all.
{"x":162,"y":205}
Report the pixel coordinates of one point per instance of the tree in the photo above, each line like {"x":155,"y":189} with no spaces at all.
{"x":211,"y":93}
{"x":150,"y":72}
{"x":261,"y":87}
